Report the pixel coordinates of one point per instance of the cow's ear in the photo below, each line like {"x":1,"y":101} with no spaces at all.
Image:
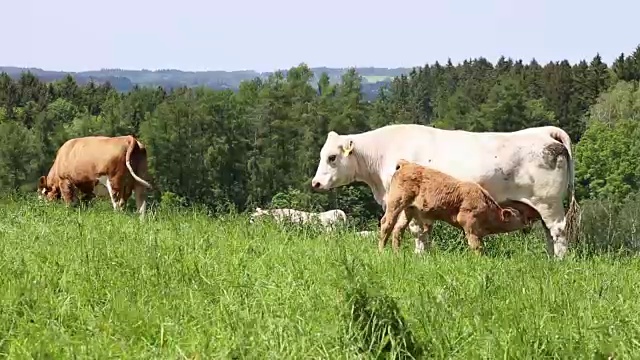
{"x":347,"y":148}
{"x":42,"y":182}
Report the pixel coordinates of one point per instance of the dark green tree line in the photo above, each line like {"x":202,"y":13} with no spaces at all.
{"x":260,"y":145}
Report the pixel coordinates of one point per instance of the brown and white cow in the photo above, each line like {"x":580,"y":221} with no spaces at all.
{"x":427,"y":195}
{"x":81,"y":163}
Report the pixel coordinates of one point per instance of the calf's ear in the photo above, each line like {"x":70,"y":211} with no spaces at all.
{"x":506,"y":215}
{"x":511,"y":214}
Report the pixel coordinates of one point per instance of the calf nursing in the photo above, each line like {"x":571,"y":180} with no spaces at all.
{"x":426,"y":195}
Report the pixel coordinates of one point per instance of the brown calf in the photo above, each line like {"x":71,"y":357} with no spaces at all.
{"x":428,"y":195}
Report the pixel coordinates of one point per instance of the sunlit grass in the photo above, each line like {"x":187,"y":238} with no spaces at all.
{"x":92,"y":283}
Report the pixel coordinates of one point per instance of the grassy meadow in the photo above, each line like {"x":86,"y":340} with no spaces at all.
{"x":91,"y":283}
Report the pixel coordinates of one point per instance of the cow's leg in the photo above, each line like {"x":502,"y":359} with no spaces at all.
{"x":86,"y":197}
{"x":86,"y":190}
{"x":553,"y":221}
{"x":118,"y":186}
{"x":127,"y":189}
{"x":141,"y":199}
{"x":104,"y":180}
{"x":67,"y":190}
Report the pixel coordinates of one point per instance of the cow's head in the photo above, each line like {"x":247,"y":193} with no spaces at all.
{"x":258,"y":212}
{"x":46,"y":191}
{"x":337,"y":166}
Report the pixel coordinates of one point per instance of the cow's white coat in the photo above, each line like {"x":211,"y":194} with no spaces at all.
{"x":327,"y":218}
{"x":509,"y":165}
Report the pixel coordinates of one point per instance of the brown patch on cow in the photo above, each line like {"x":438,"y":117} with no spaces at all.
{"x":428,"y":195}
{"x":551,"y":152}
{"x":80,"y":162}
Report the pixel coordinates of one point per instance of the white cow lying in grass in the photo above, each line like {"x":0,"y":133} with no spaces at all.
{"x":327,"y":218}
{"x":533,"y":166}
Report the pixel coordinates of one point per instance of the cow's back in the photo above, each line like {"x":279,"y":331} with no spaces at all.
{"x":501,"y":162}
{"x":85,"y":159}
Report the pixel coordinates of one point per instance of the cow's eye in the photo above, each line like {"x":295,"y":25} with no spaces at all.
{"x":332,"y":158}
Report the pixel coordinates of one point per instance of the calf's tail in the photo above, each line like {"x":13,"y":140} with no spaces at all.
{"x":132,"y":145}
{"x":573,"y":213}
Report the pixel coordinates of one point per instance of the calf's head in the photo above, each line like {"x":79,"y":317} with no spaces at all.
{"x":512,"y":219}
{"x":337,"y":165}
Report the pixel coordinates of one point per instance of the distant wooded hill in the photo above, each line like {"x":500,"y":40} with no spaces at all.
{"x":123,"y":80}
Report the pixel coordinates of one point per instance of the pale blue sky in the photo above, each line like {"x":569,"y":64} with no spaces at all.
{"x":76,"y":35}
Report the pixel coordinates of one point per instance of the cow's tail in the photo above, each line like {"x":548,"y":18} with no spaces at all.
{"x":132,"y":145}
{"x":573,"y":213}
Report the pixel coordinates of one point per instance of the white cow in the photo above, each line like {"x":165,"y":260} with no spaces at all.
{"x":533,"y":165}
{"x":327,"y":218}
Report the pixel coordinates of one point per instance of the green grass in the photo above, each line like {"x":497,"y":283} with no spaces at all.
{"x":91,"y":283}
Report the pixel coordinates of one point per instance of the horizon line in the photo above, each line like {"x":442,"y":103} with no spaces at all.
{"x":204,"y":71}
{"x":431,"y":63}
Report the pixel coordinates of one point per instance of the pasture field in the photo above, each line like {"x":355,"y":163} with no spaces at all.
{"x":91,"y":283}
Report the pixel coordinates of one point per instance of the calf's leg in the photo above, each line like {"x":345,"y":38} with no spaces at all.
{"x":403,"y":221}
{"x":475,"y":242}
{"x":391,"y":215}
{"x":472,"y":231}
{"x":424,"y":225}
{"x":424,"y":236}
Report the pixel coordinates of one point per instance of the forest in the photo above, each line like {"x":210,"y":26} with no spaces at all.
{"x":227,"y":150}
